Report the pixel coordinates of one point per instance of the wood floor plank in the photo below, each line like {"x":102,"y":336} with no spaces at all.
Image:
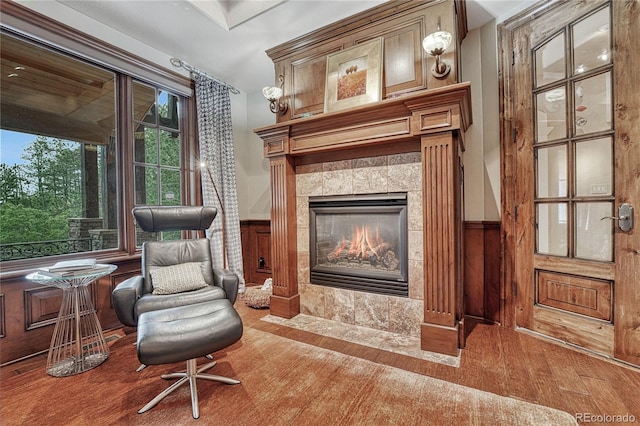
{"x":619,"y":381}
{"x":470,"y":371}
{"x":496,"y":360}
{"x":606,"y":398}
{"x":563,"y":369}
{"x":519,"y":377}
{"x":584,"y":365}
{"x":494,"y":375}
{"x":543,"y":382}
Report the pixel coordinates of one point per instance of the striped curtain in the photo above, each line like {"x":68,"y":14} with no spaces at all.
{"x":219,"y":172}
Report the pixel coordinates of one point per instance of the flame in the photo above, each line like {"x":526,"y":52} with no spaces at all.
{"x":363,"y":243}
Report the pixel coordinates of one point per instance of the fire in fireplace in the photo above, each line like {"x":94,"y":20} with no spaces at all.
{"x":359,"y":242}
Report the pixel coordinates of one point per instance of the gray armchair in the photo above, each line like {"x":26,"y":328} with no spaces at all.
{"x":136,"y":295}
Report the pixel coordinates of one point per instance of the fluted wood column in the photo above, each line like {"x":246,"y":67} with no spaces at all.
{"x":442,"y":330}
{"x":285,"y":301}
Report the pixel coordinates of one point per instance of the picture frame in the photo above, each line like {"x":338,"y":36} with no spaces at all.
{"x":354,"y":76}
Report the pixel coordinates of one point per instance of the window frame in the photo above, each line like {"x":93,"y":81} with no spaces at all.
{"x":19,"y":21}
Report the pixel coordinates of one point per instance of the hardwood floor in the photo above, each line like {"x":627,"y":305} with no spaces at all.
{"x":498,"y":360}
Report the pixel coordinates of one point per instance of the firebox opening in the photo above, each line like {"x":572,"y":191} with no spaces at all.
{"x":359,"y":242}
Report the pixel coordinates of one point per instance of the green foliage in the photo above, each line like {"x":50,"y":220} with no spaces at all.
{"x":11,"y":184}
{"x":38,"y":196}
{"x":160,"y":152}
{"x":20,"y":224}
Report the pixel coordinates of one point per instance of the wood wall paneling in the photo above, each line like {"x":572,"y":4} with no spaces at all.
{"x":492,"y":258}
{"x":307,"y":88}
{"x":401,"y":47}
{"x":474,"y":264}
{"x":3,"y":320}
{"x":30,"y":310}
{"x":482,"y":270}
{"x":579,"y":295}
{"x":256,"y":245}
{"x":244,"y":241}
{"x":41,"y":306}
{"x":406,"y":66}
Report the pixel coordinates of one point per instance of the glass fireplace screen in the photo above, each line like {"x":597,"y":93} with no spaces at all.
{"x":360,"y":242}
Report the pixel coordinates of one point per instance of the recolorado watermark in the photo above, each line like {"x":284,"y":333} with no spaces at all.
{"x":605,"y":418}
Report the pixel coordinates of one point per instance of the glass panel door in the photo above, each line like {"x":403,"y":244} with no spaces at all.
{"x":574,"y":163}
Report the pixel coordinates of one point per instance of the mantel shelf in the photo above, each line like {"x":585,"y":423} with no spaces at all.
{"x":398,"y":119}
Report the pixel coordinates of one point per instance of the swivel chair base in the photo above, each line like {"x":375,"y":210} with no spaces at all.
{"x":192,"y":373}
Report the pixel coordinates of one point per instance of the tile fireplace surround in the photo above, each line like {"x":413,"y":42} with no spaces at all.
{"x":390,"y":173}
{"x":411,"y":144}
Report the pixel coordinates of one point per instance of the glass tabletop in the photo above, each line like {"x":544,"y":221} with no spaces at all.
{"x":45,"y":277}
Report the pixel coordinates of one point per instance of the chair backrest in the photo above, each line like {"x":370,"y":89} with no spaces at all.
{"x":156,"y":254}
{"x":174,"y":218}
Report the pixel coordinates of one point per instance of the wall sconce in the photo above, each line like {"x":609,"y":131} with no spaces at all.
{"x":274,"y":94}
{"x":435,"y":44}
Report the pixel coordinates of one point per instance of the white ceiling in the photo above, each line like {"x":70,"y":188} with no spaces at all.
{"x":228,"y":39}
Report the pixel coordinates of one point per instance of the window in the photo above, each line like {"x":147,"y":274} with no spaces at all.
{"x":156,"y":152}
{"x":64,"y":155}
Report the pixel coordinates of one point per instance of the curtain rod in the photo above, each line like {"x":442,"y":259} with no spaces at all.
{"x":179,"y":63}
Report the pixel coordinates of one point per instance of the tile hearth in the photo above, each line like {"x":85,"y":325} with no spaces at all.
{"x":384,"y":340}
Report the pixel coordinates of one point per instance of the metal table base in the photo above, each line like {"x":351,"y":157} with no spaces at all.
{"x":77,"y":344}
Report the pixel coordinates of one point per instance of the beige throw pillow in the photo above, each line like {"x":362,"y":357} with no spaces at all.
{"x":177,"y":278}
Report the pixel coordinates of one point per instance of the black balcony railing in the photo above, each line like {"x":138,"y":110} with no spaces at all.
{"x":43,"y":248}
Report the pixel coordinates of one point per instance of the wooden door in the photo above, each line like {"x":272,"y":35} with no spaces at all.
{"x":576,"y":137}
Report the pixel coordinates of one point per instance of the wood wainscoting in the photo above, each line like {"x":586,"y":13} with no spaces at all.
{"x":256,"y":250}
{"x":481,"y":263}
{"x":28,"y":311}
{"x":482,"y":270}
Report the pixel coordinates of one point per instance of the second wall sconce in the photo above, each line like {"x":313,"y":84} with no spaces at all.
{"x":435,"y":44}
{"x":274,"y":95}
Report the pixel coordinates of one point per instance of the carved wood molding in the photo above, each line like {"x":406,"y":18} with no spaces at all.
{"x":395,"y":120}
{"x":348,"y":25}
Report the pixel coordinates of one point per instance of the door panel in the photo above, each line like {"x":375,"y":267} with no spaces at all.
{"x":576,"y":159}
{"x":626,"y":16}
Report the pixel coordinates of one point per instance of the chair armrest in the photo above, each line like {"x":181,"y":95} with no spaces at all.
{"x":124,"y":298}
{"x":229,"y":282}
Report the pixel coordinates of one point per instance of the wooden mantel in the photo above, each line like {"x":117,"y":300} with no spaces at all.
{"x":430,"y":121}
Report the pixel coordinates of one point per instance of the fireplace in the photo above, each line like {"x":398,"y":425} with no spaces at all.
{"x":359,"y":242}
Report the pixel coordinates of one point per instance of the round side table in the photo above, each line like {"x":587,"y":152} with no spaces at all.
{"x":77,"y":344}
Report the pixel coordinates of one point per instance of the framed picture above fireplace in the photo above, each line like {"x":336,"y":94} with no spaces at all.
{"x":354,"y":76}
{"x":359,"y":242}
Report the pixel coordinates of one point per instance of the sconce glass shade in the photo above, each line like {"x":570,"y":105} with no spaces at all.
{"x":272,"y":93}
{"x":437,"y":43}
